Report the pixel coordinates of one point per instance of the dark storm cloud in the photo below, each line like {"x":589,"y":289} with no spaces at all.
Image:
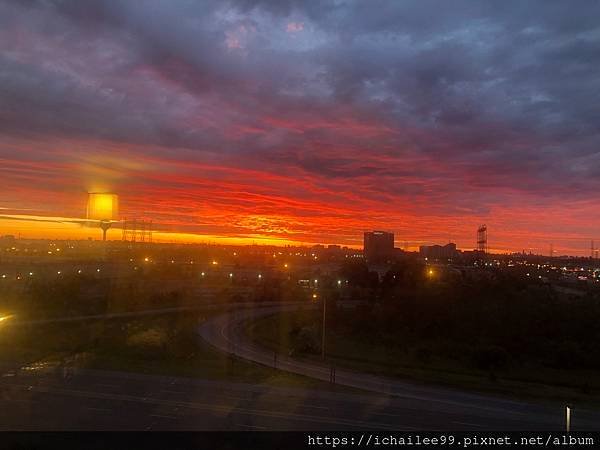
{"x":503,"y":92}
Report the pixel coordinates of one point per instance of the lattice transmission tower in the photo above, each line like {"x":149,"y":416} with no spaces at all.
{"x":482,"y":239}
{"x":136,"y":230}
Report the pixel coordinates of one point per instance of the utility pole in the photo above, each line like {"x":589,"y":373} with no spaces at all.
{"x":323,"y":336}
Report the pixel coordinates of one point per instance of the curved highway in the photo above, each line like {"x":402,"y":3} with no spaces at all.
{"x":479,"y":411}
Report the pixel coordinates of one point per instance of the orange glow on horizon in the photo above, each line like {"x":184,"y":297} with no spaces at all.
{"x":235,"y":205}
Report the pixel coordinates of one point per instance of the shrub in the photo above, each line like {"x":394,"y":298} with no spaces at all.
{"x":305,"y":340}
{"x":491,"y":357}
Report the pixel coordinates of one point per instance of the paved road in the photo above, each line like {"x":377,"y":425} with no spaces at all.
{"x":16,"y":321}
{"x":43,"y":399}
{"x":420,"y":406}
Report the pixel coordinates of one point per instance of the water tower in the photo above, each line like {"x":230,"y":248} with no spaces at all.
{"x":103,"y":207}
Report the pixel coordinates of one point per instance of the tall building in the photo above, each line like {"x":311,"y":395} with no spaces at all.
{"x":378,"y":245}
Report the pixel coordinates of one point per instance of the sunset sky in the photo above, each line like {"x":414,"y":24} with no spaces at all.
{"x":305,"y":121}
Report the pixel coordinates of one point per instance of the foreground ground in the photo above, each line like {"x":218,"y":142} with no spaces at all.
{"x":158,"y":374}
{"x":102,"y":400}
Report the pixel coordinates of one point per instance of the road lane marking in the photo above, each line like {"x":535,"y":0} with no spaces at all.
{"x":254,"y":427}
{"x":164,"y":417}
{"x":469,"y":424}
{"x":91,"y":408}
{"x":315,"y":407}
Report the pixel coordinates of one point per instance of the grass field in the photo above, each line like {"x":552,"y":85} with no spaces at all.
{"x":165,"y":344}
{"x":345,"y":351}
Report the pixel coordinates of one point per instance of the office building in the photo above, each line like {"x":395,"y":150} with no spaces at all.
{"x":378,"y":246}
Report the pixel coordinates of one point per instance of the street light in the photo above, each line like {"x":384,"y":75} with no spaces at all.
{"x":314,"y":297}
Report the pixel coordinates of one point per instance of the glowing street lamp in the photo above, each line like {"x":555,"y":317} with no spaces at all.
{"x":3,"y":318}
